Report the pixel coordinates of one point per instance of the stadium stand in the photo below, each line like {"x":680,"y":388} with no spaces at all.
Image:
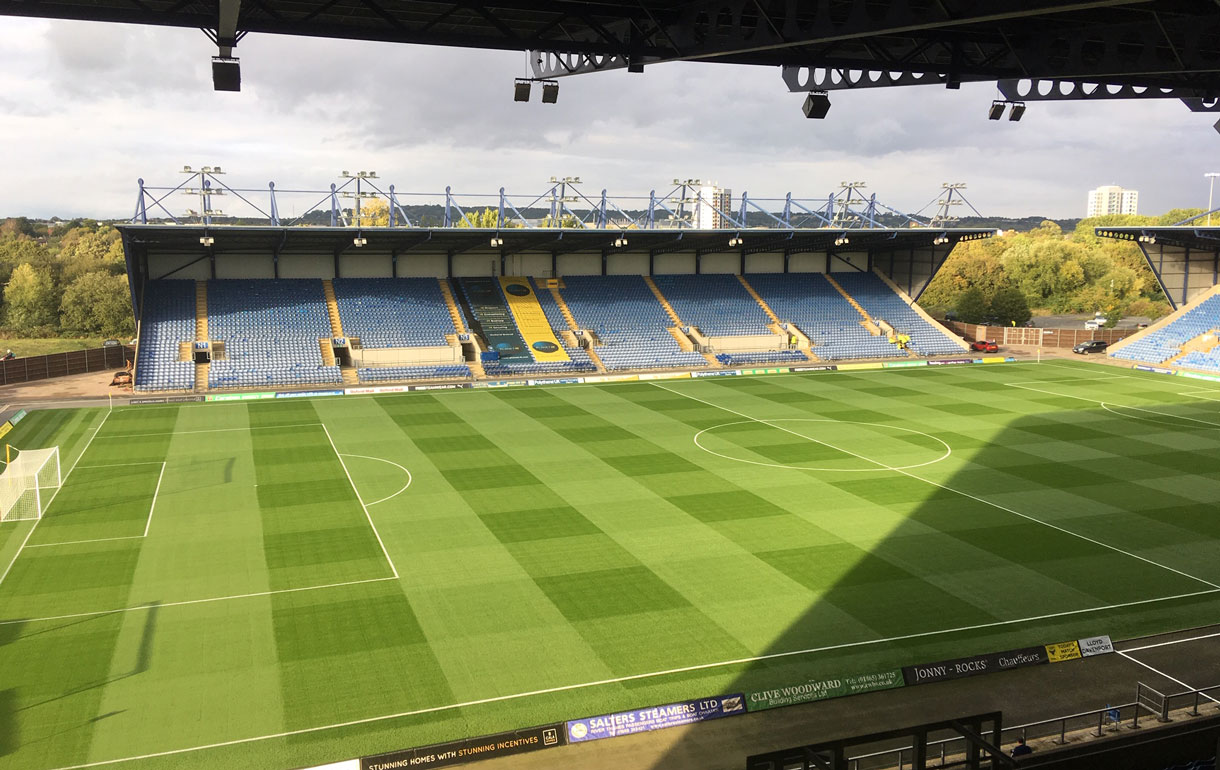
{"x":718,"y":304}
{"x":555,"y":316}
{"x":1165,"y":343}
{"x":167,"y":321}
{"x":631,"y":324}
{"x":820,"y":311}
{"x":762,"y":357}
{"x":487,"y":302}
{"x":880,"y":301}
{"x":393,"y":312}
{"x":270,"y":330}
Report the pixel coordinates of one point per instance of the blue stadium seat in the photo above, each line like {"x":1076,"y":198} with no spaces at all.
{"x":167,"y":320}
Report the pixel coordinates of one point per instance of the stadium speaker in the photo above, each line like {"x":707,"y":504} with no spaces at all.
{"x":997,"y":110}
{"x":817,"y":104}
{"x":521,"y":90}
{"x":226,"y":74}
{"x":550,"y":91}
{"x":1018,"y":109}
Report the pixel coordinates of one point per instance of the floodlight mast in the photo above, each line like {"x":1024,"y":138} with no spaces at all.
{"x":205,"y":191}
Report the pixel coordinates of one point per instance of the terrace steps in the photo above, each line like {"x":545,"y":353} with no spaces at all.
{"x":571,"y":321}
{"x":201,"y":311}
{"x":451,"y":303}
{"x":328,"y":351}
{"x":349,"y":375}
{"x":1204,"y":343}
{"x":758,"y":298}
{"x":201,"y":377}
{"x":332,"y":308}
{"x":673,"y":315}
{"x":865,"y":320}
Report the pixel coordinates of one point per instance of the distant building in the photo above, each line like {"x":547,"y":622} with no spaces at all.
{"x":711,"y":198}
{"x":1112,"y":199}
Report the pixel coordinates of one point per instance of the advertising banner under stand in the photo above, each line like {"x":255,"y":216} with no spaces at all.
{"x":460,"y":752}
{"x":974,"y":665}
{"x":823,"y":689}
{"x":655,"y":718}
{"x":1095,"y":645}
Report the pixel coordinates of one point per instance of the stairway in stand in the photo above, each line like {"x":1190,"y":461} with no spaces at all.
{"x":771,"y":314}
{"x":201,"y":332}
{"x":571,"y":321}
{"x":673,"y":315}
{"x":327,"y":346}
{"x":476,"y":366}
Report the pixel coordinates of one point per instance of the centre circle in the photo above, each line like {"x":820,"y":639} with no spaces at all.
{"x":869,"y":462}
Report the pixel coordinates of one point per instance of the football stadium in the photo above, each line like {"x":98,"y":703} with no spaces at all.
{"x":677,"y":480}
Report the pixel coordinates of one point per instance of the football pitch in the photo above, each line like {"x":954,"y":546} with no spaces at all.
{"x":283,"y":583}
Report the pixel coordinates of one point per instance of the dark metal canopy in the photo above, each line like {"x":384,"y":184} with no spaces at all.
{"x":1184,"y":258}
{"x":825,"y":45}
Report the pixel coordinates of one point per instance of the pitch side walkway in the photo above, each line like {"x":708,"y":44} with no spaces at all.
{"x":1169,"y":663}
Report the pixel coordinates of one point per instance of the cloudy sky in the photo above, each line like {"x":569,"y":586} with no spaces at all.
{"x":86,"y":109}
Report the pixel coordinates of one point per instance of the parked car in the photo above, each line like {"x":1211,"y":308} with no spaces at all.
{"x":1093,"y":324}
{"x":985,"y":346}
{"x":111,"y":344}
{"x":1092,"y":346}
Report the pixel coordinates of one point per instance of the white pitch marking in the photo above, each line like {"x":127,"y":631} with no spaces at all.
{"x":185,"y":602}
{"x":959,"y":492}
{"x":948,"y":449}
{"x":629,"y":678}
{"x":1172,"y":642}
{"x":214,"y":430}
{"x":1162,"y":673}
{"x":122,"y":465}
{"x":1196,"y":394}
{"x":55,"y":494}
{"x":153,"y":506}
{"x":410,"y":478}
{"x":82,"y":542}
{"x":361,"y":501}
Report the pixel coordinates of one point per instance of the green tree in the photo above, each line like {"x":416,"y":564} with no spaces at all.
{"x":29,"y":298}
{"x":1009,"y":306}
{"x":972,"y":306}
{"x":84,"y":250}
{"x":487,"y":219}
{"x":97,"y":304}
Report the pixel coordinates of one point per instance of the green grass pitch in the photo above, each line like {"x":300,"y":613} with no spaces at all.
{"x":286,"y":583}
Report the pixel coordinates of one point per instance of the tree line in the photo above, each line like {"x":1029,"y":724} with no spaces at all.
{"x":68,"y":280}
{"x":1047,"y":270}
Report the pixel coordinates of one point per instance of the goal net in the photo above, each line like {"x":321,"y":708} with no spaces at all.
{"x":27,"y":483}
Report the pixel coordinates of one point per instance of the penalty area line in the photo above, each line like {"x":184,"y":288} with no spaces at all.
{"x":628,"y":678}
{"x":186,"y":602}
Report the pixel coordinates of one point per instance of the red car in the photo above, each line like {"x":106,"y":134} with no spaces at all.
{"x":985,"y":346}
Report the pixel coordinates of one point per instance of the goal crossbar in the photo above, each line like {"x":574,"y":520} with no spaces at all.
{"x":27,"y":483}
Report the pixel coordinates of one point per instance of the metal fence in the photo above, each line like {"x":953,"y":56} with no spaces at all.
{"x":1148,"y":703}
{"x":19,"y":370}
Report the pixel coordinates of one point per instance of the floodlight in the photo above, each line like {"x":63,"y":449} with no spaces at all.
{"x":997,"y":110}
{"x":359,"y":241}
{"x":207,"y":240}
{"x":1018,"y":109}
{"x":550,"y":91}
{"x":521,"y":90}
{"x":226,"y":74}
{"x":817,"y":104}
{"x":496,"y":241}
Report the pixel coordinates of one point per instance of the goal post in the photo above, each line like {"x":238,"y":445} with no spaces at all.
{"x":27,"y":483}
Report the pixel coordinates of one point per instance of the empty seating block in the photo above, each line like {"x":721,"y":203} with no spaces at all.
{"x":880,"y":302}
{"x":270,"y":329}
{"x":762,"y":357}
{"x":632,"y":325}
{"x":1165,"y":343}
{"x":167,"y":320}
{"x":818,"y":309}
{"x":718,"y":304}
{"x":393,"y":312}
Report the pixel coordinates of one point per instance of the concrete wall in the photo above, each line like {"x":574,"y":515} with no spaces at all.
{"x":421,"y":265}
{"x":305,"y":266}
{"x":361,"y":263}
{"x":159,"y":265}
{"x":252,"y":265}
{"x":627,"y":264}
{"x":720,"y":263}
{"x":764,"y":263}
{"x":813,"y":262}
{"x":580,"y":264}
{"x":678,"y":263}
